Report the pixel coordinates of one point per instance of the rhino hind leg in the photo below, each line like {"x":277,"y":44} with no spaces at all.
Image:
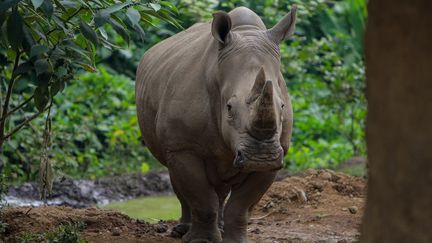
{"x":189,"y":179}
{"x":243,"y":197}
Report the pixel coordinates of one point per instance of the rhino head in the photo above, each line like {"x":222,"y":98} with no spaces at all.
{"x":253,"y":104}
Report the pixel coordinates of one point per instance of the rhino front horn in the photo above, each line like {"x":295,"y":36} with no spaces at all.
{"x":264,"y":119}
{"x":285,"y":28}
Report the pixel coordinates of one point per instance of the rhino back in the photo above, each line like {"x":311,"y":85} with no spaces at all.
{"x":172,"y":100}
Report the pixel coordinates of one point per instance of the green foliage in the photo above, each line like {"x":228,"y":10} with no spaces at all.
{"x":3,"y":228}
{"x":66,"y":233}
{"x":44,"y":43}
{"x":69,"y":232}
{"x":95,"y":132}
{"x":28,"y":237}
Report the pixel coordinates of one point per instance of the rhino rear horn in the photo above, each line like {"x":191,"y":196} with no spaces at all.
{"x":221,"y":26}
{"x":285,"y":28}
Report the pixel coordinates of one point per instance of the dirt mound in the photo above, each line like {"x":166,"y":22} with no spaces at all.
{"x":319,"y":206}
{"x":98,"y":225}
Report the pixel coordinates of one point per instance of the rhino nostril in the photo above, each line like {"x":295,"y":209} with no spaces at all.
{"x":239,"y":159}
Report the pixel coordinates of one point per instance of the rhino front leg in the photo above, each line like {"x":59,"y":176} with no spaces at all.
{"x":243,"y":197}
{"x":185,"y":221}
{"x":189,"y":178}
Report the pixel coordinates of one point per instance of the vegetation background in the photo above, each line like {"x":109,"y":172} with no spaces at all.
{"x":93,"y":125}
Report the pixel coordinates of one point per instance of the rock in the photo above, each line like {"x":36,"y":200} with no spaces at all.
{"x":342,"y":241}
{"x":301,"y":195}
{"x":326,"y":175}
{"x":353,"y":209}
{"x":256,"y":231}
{"x":116,"y":231}
{"x":161,"y":228}
{"x":269,"y":205}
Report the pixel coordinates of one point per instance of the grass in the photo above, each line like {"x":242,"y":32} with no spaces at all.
{"x":150,"y":209}
{"x":354,"y":170}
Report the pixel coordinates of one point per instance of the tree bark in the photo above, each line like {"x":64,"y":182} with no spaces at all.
{"x":399,"y":122}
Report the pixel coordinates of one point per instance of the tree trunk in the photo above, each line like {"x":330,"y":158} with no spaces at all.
{"x":399,"y":122}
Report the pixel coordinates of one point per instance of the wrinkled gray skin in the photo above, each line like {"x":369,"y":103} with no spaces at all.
{"x":214,"y":108}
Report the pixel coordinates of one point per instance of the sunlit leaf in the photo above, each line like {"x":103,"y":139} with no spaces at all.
{"x":134,"y":16}
{"x":155,"y":6}
{"x":88,"y":67}
{"x":169,"y":5}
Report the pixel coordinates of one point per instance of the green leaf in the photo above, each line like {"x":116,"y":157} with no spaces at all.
{"x":37,"y":3}
{"x":169,"y":5}
{"x":56,"y":87}
{"x":5,"y":5}
{"x":144,"y":168}
{"x":120,"y":30}
{"x":42,"y":66}
{"x":41,"y":97}
{"x":58,"y":3}
{"x":101,"y":17}
{"x":37,"y":50}
{"x":23,"y":68}
{"x":89,"y":33}
{"x":134,"y":16}
{"x":28,"y":40}
{"x":48,"y":8}
{"x":15,"y":31}
{"x":103,"y":33}
{"x":155,"y":6}
{"x":140,"y":31}
{"x":116,"y":7}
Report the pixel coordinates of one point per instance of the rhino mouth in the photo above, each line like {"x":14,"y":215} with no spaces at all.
{"x":258,"y":156}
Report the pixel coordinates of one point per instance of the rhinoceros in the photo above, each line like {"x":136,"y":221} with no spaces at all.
{"x":213,"y":108}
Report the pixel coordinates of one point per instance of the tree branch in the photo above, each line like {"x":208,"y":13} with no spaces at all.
{"x":17,"y":108}
{"x":29,"y":119}
{"x":7,"y":99}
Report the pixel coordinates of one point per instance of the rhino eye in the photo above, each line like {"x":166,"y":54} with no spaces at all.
{"x":282,"y":106}
{"x":229,"y":107}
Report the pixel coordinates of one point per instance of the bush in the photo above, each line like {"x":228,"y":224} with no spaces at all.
{"x":94,"y":133}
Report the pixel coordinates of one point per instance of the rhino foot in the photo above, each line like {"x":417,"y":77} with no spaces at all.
{"x":201,"y":237}
{"x":180,"y":229}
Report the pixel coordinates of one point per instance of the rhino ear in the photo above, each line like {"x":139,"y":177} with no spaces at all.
{"x":285,"y":28}
{"x":221,"y":26}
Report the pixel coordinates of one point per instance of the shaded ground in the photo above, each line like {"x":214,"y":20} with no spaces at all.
{"x":319,"y":206}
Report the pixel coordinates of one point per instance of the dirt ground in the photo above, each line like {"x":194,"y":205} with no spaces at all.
{"x":318,"y":206}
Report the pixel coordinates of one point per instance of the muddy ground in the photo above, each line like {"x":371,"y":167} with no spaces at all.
{"x":318,"y":206}
{"x":87,"y":193}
